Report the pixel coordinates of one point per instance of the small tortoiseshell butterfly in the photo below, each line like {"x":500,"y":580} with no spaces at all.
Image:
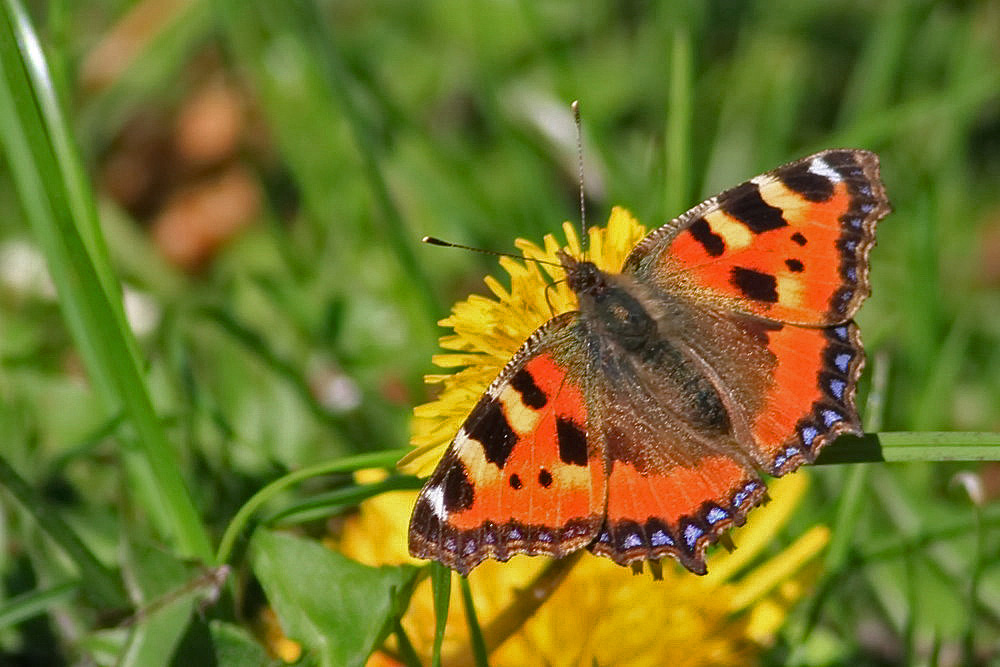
{"x":638,"y":425}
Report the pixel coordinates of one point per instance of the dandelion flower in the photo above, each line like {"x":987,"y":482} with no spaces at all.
{"x":600,"y":612}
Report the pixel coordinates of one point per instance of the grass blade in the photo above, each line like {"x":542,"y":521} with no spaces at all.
{"x":677,"y":188}
{"x":441,"y":585}
{"x":910,"y":446}
{"x":407,"y":654}
{"x":97,"y":580}
{"x":478,"y":644}
{"x":382,"y":459}
{"x":35,"y":603}
{"x":59,"y":205}
{"x":320,"y":506}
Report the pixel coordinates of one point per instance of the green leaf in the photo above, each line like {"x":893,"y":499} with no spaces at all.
{"x":219,"y":645}
{"x":235,"y":646}
{"x":338,"y":609}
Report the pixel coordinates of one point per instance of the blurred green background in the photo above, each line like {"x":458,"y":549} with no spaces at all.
{"x":263,"y":173}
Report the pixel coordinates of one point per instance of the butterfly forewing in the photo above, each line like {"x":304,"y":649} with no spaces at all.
{"x":519,"y":477}
{"x":790,"y":245}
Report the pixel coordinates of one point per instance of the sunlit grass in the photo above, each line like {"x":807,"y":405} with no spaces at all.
{"x":294,"y":354}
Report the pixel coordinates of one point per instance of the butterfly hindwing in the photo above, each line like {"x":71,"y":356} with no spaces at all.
{"x":676,"y":511}
{"x":519,"y":477}
{"x":810,"y":400}
{"x":677,"y":476}
{"x":790,"y":245}
{"x":788,"y":390}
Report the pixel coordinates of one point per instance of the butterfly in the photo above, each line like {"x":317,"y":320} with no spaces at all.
{"x":639,"y":425}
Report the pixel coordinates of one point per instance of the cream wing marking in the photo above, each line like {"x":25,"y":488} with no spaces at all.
{"x":819,"y":167}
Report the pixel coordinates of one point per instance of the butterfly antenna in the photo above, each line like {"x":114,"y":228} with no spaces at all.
{"x":431,"y":240}
{"x":579,"y":163}
{"x":548,"y":298}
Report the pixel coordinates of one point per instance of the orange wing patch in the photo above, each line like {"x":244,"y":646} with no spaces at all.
{"x":518,"y":478}
{"x":677,"y":511}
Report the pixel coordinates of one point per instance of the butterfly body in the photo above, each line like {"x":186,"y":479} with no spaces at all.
{"x":637,"y":425}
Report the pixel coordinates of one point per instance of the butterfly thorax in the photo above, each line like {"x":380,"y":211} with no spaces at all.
{"x":609,"y":303}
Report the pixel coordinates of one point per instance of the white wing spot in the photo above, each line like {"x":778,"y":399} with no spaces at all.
{"x":435,"y":498}
{"x":821,"y":168}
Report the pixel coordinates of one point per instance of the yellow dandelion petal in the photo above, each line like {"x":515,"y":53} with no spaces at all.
{"x":453,"y":360}
{"x":494,"y":285}
{"x":767,"y":614}
{"x":278,"y":645}
{"x":775,"y":571}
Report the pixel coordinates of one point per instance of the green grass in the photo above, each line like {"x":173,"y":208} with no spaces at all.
{"x":144,"y":459}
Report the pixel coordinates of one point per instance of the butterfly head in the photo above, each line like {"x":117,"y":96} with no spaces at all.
{"x":583,"y":277}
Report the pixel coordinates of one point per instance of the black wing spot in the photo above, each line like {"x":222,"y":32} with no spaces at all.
{"x":709,"y":240}
{"x":794,"y":265}
{"x":760,"y":330}
{"x":572,"y":442}
{"x":812,"y":186}
{"x":531,"y":395}
{"x":842,"y":162}
{"x":798,"y":238}
{"x":545,"y":478}
{"x":493,"y":431}
{"x":459,"y":493}
{"x":755,"y":284}
{"x":515,"y":482}
{"x":746,"y":205}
